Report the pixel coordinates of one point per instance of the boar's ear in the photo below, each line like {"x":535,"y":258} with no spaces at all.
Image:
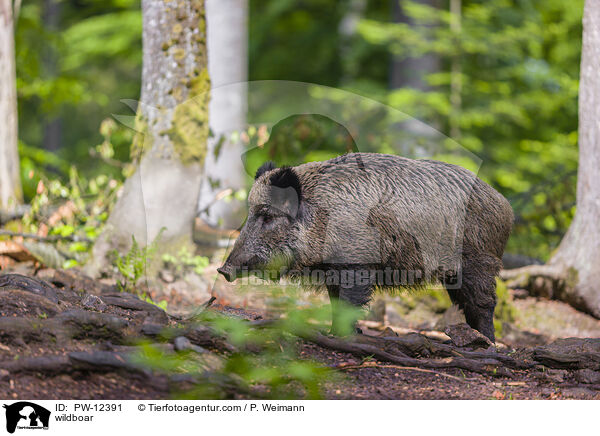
{"x":267,"y":166}
{"x":286,"y":177}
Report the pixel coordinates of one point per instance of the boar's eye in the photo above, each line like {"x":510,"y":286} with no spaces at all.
{"x":267,"y":219}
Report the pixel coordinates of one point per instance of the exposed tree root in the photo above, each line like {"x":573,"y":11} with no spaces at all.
{"x":521,"y":277}
{"x":488,"y":365}
{"x":553,"y":281}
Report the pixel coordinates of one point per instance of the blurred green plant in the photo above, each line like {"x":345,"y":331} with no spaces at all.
{"x":266,"y":361}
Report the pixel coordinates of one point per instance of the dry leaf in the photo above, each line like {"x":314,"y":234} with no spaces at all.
{"x":15,"y":251}
{"x":498,"y":395}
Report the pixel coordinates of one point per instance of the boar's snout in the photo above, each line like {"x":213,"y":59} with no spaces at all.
{"x":235,"y":264}
{"x":227,"y":271}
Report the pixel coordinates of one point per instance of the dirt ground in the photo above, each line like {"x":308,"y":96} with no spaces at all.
{"x":382,"y":381}
{"x":359,"y":380}
{"x":35,"y":368}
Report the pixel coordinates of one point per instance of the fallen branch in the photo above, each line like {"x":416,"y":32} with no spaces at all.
{"x":209,"y":302}
{"x":53,"y":238}
{"x":16,"y":213}
{"x":408,"y":368}
{"x":100,"y":361}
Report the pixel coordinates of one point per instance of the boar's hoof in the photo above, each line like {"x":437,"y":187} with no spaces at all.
{"x":337,"y":331}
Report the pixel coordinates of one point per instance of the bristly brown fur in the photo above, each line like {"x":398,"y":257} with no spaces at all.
{"x":266,"y":167}
{"x":367,"y":211}
{"x":286,"y":177}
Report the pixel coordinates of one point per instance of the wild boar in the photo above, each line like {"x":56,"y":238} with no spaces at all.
{"x":364,"y":220}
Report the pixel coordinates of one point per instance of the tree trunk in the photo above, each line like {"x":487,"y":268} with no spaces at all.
{"x":172,"y":131}
{"x":52,"y":124}
{"x":227,"y":30}
{"x":11,"y":192}
{"x":573,"y":272}
{"x":409,"y":72}
{"x":579,"y":251}
{"x":456,"y":74}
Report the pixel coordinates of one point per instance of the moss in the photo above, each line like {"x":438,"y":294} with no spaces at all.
{"x":189,"y":131}
{"x":572,"y":278}
{"x":178,"y":54}
{"x":177,"y":28}
{"x":142,"y":141}
{"x":198,"y":6}
{"x":177,"y":93}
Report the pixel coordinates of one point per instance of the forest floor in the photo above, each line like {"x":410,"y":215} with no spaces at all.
{"x":65,"y":336}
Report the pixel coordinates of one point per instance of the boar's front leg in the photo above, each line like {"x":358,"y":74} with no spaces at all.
{"x":340,"y":296}
{"x":477,"y":293}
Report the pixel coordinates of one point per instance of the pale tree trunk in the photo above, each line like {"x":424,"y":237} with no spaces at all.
{"x":172,"y":131}
{"x":579,"y":251}
{"x":227,"y":30}
{"x":11,"y":193}
{"x":573,"y":272}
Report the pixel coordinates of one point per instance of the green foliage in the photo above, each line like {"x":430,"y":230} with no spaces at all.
{"x":517,"y":61}
{"x":75,"y":62}
{"x":302,"y":31}
{"x":37,"y":164}
{"x":132,"y":265}
{"x":132,"y":268}
{"x":299,"y":139}
{"x":75,"y":210}
{"x":160,"y":304}
{"x":519,"y":69}
{"x":276,"y":365}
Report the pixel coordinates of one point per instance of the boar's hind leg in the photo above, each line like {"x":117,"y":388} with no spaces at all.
{"x":477,"y":293}
{"x":356,"y":296}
